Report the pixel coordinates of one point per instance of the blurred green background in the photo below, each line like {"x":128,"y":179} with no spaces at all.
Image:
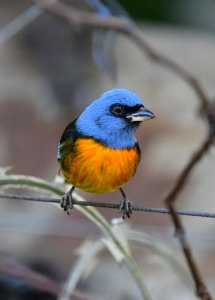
{"x":199,"y":14}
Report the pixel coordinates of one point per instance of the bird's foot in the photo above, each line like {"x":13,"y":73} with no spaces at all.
{"x":67,"y":203}
{"x":125,"y":208}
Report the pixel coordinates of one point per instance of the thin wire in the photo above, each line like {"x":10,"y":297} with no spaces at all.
{"x":110,"y":205}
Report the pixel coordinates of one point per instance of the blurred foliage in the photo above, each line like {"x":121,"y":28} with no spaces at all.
{"x":195,"y":13}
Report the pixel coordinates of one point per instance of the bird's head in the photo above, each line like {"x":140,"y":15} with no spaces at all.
{"x":113,"y":118}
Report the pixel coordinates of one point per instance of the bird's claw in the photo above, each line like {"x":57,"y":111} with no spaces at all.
{"x":67,"y":203}
{"x":125,"y":208}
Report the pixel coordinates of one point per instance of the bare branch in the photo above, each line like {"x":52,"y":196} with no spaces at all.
{"x":17,"y":24}
{"x":201,"y":289}
{"x":80,"y":19}
{"x":34,"y":279}
{"x":182,"y":178}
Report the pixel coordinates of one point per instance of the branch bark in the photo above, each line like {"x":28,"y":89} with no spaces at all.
{"x":170,"y":200}
{"x":78,"y":19}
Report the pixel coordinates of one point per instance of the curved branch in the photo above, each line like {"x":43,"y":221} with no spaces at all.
{"x":79,"y":19}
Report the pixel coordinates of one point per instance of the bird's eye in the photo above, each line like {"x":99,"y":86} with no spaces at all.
{"x":117,"y":109}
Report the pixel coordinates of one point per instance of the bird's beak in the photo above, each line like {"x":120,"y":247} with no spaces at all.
{"x":141,"y":115}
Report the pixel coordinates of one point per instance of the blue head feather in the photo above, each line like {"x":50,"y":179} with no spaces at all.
{"x":97,"y":121}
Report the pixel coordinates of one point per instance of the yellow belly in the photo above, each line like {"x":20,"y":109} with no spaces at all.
{"x":97,"y":169}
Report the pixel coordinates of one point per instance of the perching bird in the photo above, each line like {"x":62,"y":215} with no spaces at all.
{"x":98,"y":152}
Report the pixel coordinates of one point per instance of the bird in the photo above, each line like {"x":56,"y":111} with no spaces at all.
{"x":98,"y":151}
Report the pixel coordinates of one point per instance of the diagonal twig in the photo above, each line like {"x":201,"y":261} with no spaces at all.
{"x":14,"y":269}
{"x":201,"y":288}
{"x":79,"y":18}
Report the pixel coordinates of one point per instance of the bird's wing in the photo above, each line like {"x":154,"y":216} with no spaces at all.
{"x":67,"y":141}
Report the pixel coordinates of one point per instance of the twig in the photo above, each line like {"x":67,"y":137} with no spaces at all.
{"x":34,"y":279}
{"x":182,"y":178}
{"x":201,"y":288}
{"x":17,"y":24}
{"x":110,"y":205}
{"x":79,"y":19}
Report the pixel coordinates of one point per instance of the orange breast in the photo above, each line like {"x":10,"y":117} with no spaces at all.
{"x":97,"y":169}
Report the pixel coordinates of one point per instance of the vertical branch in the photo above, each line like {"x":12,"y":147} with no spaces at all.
{"x":201,"y":288}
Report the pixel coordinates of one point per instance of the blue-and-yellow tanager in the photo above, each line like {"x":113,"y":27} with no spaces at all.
{"x":98,"y":152}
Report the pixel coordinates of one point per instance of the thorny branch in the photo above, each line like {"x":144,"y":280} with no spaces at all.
{"x":79,"y":19}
